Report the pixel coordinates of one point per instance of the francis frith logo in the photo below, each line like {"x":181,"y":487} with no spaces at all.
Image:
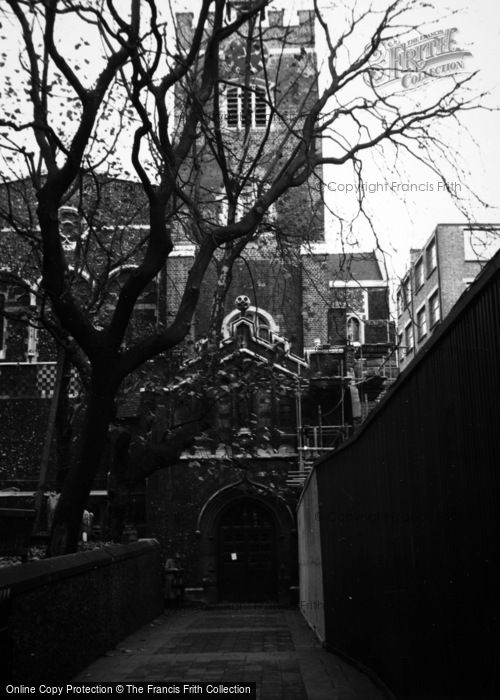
{"x":417,"y":60}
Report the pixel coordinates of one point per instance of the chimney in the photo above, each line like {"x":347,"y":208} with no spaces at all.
{"x":275,"y":18}
{"x":184,"y":20}
{"x":306,"y":16}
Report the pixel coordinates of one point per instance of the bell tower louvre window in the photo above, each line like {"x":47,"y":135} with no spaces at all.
{"x":246,"y":107}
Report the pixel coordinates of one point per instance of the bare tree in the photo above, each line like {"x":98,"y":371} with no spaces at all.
{"x":210,"y":114}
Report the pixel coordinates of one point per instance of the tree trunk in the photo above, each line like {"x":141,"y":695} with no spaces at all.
{"x":65,"y":425}
{"x":224,"y":279}
{"x":118,"y":486}
{"x":78,"y":483}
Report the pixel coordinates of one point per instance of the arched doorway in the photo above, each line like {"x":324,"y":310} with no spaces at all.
{"x":253,"y":514}
{"x":247,"y":560}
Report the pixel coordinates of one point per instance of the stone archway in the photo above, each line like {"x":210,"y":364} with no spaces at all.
{"x":247,"y":545}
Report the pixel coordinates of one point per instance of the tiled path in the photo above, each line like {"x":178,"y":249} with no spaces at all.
{"x":271,"y":646}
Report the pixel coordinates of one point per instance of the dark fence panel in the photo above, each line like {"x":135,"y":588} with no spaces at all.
{"x":409,"y":511}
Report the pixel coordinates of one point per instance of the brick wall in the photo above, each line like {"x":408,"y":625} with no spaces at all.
{"x":449,"y":277}
{"x":63,"y":613}
{"x":453,"y":268}
{"x":272,"y":284}
{"x":176,"y":277}
{"x":450,"y":251}
{"x":315,"y":298}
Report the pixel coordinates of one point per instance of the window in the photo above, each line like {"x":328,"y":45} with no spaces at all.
{"x":15,"y":302}
{"x":354,"y":330}
{"x":262,"y":327}
{"x":32,"y":343}
{"x":246,"y":107}
{"x":419,"y":274}
{"x":434,"y":309}
{"x":431,"y":256}
{"x":408,"y":339}
{"x":421,"y":323}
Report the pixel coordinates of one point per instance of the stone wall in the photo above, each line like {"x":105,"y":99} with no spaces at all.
{"x":58,"y":615}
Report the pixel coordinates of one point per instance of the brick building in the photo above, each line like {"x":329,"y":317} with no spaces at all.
{"x":439,"y":273}
{"x":319,"y":321}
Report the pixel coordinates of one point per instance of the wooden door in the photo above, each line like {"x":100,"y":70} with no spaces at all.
{"x":247,"y":553}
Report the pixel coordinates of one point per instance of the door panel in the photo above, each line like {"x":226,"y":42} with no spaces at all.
{"x":247,"y":553}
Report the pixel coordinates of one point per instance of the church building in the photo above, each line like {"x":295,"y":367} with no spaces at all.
{"x":306,"y":346}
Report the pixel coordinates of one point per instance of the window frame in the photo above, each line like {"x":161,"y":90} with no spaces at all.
{"x":433,"y":320}
{"x":409,"y":338}
{"x":422,"y":329}
{"x":431,"y":256}
{"x":419,"y":274}
{"x":359,"y":321}
{"x":30,"y":337}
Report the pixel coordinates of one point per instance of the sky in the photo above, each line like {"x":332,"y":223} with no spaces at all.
{"x":405,"y":220}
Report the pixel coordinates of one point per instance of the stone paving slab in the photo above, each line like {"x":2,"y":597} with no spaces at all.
{"x":275,"y":648}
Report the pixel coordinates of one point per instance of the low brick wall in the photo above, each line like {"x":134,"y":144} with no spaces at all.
{"x":58,"y":615}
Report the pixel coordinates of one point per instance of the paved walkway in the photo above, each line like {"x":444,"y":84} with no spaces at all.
{"x":271,"y":646}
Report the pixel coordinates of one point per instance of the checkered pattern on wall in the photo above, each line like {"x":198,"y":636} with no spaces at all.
{"x":32,"y":380}
{"x":45,"y":380}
